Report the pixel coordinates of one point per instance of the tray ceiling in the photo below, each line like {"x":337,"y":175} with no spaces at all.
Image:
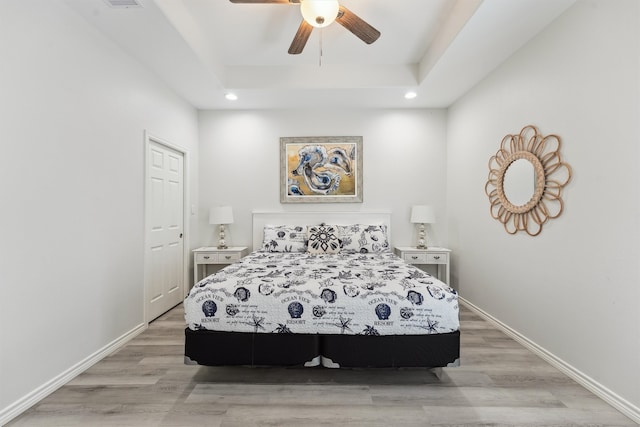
{"x":205,"y":48}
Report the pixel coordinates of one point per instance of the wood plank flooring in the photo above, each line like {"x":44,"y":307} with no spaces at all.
{"x":146,"y":384}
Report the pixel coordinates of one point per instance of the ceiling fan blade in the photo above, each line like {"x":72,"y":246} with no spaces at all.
{"x":357,"y":25}
{"x":301,"y":37}
{"x":264,"y":1}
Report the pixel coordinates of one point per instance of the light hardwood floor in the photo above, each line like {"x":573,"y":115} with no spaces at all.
{"x":146,"y":384}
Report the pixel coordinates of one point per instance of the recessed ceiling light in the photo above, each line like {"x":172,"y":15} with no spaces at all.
{"x":124,"y":3}
{"x":231,"y":96}
{"x":410,"y":95}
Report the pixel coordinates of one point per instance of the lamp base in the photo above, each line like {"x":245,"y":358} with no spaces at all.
{"x":221,"y":243}
{"x":421,"y":237}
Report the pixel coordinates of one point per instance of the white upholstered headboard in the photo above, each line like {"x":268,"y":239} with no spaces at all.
{"x":262,"y":218}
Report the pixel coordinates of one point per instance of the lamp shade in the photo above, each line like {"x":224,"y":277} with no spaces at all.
{"x":319,"y":13}
{"x":221,"y":215}
{"x":423,"y":214}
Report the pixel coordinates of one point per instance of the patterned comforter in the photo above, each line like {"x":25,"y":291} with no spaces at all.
{"x":367,"y":294}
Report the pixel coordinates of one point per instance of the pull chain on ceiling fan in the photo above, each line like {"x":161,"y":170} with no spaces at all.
{"x":321,"y":13}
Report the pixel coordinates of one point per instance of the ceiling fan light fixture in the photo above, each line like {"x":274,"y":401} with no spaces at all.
{"x":319,"y":13}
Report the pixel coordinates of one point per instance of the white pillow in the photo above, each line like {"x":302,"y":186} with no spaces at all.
{"x":284,"y":238}
{"x":363,"y":238}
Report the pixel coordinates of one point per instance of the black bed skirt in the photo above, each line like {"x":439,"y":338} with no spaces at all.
{"x":212,"y":348}
{"x":392,"y":350}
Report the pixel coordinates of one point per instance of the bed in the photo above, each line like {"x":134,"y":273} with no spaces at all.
{"x":322,"y":289}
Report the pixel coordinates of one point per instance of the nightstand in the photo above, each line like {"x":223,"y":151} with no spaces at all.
{"x":211,"y":255}
{"x":429,"y":256}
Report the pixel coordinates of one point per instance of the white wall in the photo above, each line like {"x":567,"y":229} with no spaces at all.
{"x":73,"y":111}
{"x":74,"y":108}
{"x":575,"y":289}
{"x":403,"y":164}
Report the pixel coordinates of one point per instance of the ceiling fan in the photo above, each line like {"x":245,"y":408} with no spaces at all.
{"x":319,"y":14}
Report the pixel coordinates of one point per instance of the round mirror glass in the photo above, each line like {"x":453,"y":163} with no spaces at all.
{"x":519,"y":182}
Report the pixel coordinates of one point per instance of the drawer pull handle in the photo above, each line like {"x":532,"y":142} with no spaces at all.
{"x":414,"y":257}
{"x":206,"y":257}
{"x":227,"y":257}
{"x":436,"y":257}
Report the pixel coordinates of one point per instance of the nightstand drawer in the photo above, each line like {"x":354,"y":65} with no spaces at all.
{"x":415,"y":258}
{"x":207,"y":258}
{"x":218,"y":258}
{"x":229,"y":257}
{"x":437,"y":258}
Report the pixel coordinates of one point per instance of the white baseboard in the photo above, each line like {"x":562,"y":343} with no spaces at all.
{"x":618,"y":402}
{"x":24,"y":403}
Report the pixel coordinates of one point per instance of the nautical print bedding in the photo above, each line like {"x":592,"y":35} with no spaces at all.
{"x":357,"y":294}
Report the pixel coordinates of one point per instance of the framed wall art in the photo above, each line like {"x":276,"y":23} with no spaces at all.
{"x":322,"y":169}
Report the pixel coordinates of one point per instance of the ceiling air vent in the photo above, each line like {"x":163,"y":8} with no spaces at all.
{"x":124,"y":3}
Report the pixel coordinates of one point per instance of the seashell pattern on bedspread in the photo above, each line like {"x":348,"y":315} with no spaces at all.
{"x":357,"y":294}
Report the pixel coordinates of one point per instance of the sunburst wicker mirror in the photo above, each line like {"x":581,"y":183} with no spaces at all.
{"x":526,"y":177}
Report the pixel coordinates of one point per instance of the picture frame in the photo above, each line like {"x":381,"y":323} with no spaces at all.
{"x":322,"y":169}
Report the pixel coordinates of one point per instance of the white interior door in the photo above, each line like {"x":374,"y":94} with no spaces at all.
{"x":164,"y":275}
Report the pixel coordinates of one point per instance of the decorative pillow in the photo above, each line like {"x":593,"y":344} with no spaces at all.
{"x":323,"y":239}
{"x":363,"y":238}
{"x":284,"y":238}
